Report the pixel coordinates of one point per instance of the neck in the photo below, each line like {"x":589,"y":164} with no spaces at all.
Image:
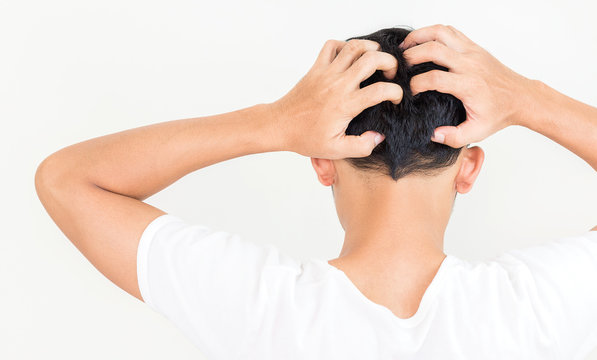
{"x":397,"y":222}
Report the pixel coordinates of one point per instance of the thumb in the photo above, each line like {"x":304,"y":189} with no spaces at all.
{"x":360,"y":145}
{"x":454,"y":136}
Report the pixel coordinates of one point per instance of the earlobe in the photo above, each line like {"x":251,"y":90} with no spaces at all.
{"x":325,"y":170}
{"x":469,"y":169}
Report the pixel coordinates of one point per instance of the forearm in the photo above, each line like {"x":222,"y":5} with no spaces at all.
{"x":566,"y":121}
{"x":92,"y":189}
{"x":142,"y":161}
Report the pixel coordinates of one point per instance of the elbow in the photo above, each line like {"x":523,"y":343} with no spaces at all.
{"x":49,"y":176}
{"x":58,"y":176}
{"x":44,"y":176}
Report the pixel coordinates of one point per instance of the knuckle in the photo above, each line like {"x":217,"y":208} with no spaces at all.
{"x":368,"y":59}
{"x":441,"y":31}
{"x":438,"y":28}
{"x":354,"y":45}
{"x":415,"y":84}
{"x":378,"y":91}
{"x":329,"y":43}
{"x":435,"y":77}
{"x":435,"y":48}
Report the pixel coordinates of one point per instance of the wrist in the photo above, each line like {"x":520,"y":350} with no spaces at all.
{"x":269,"y":117}
{"x":279,"y":125}
{"x":531,"y":103}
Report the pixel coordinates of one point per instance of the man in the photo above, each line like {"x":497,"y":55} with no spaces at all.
{"x":392,"y":293}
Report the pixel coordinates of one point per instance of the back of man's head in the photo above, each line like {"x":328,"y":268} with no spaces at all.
{"x":408,"y":126}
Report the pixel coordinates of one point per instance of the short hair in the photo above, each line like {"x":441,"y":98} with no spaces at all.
{"x":409,"y":125}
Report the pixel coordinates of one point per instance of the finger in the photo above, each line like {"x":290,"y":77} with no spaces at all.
{"x":369,"y":62}
{"x":359,"y":145}
{"x":374,"y":94}
{"x":457,"y":136}
{"x":459,"y":33}
{"x":440,"y":33}
{"x":433,"y":51}
{"x":351,"y":51}
{"x":329,"y":51}
{"x":442,"y":81}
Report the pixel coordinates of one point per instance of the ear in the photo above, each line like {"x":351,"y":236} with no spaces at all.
{"x":326,"y":172}
{"x":472,"y":159}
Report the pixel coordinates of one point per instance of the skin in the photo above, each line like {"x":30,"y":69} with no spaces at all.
{"x":94,"y":190}
{"x":394,"y":231}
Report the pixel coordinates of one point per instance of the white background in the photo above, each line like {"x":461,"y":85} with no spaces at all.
{"x":74,"y":70}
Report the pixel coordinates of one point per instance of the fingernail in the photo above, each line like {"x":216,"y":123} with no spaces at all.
{"x":438,"y":137}
{"x":401,"y":46}
{"x":378,"y":138}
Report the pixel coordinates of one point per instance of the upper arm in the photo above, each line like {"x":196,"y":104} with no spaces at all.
{"x":103,"y":225}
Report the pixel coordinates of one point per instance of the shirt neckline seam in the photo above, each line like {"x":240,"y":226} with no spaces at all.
{"x":429,"y":296}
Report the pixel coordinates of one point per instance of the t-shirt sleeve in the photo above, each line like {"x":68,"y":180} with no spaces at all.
{"x":210,"y":284}
{"x":562,"y":283}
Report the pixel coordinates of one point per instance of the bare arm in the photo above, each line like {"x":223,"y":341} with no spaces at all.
{"x":566,"y":121}
{"x":94,"y":190}
{"x":495,"y":96}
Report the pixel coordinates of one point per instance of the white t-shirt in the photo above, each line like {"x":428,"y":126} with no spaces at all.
{"x":239,"y":300}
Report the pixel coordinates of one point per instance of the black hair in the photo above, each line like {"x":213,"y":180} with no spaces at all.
{"x":409,"y":125}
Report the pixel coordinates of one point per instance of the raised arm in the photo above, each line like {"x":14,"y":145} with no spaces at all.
{"x":495,"y":96}
{"x":94,"y":190}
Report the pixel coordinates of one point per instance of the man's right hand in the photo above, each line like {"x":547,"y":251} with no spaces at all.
{"x":493,"y":95}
